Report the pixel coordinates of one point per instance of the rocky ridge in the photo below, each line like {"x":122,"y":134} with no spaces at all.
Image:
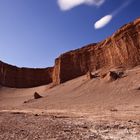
{"x":122,"y":49}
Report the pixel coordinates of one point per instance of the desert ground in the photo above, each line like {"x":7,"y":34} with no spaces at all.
{"x":80,"y":109}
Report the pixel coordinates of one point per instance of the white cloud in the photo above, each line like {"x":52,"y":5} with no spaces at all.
{"x":69,"y":4}
{"x":106,"y":19}
{"x":103,"y":21}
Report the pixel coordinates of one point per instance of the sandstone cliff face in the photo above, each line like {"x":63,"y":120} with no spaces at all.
{"x":12,"y":76}
{"x":121,"y":49}
{"x":72,"y":64}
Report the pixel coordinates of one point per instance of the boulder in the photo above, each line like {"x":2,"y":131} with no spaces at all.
{"x":91,"y":76}
{"x":114,"y":75}
{"x":37,"y":96}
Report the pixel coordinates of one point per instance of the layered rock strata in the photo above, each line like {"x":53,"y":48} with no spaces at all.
{"x":13,"y":76}
{"x":122,"y":49}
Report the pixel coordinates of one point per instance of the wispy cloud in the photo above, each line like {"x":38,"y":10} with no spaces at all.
{"x":69,"y":4}
{"x":106,"y":19}
{"x":124,"y":5}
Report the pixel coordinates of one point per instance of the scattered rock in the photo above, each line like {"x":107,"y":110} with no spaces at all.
{"x":130,"y":121}
{"x":36,"y":114}
{"x":138,"y":88}
{"x":17,"y":112}
{"x":91,"y":76}
{"x":37,"y":96}
{"x":115,"y":126}
{"x":103,"y":75}
{"x":121,"y":127}
{"x":67,"y":130}
{"x":114,"y":75}
{"x":44,"y":127}
{"x":85,"y":127}
{"x":25,"y":102}
{"x":95,"y":136}
{"x":105,"y":131}
{"x":113,"y":110}
{"x":28,"y":101}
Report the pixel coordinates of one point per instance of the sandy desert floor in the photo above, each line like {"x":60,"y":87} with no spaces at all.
{"x":79,"y":109}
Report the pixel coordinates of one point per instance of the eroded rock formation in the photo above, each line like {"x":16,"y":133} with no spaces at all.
{"x":121,"y":49}
{"x":13,"y":76}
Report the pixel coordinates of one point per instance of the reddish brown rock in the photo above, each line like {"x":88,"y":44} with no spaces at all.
{"x":113,"y":75}
{"x":13,"y":76}
{"x":90,"y":75}
{"x":72,"y":64}
{"x":121,"y":49}
{"x":37,"y":96}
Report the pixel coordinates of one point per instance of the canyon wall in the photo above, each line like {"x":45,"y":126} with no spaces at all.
{"x":13,"y":76}
{"x":121,"y":49}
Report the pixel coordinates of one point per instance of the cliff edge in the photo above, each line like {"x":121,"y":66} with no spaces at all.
{"x":122,"y":49}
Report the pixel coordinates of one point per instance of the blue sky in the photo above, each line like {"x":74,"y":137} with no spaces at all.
{"x":34,"y":32}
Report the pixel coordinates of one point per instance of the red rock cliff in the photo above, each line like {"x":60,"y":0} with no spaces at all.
{"x":121,"y":49}
{"x":13,"y":76}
